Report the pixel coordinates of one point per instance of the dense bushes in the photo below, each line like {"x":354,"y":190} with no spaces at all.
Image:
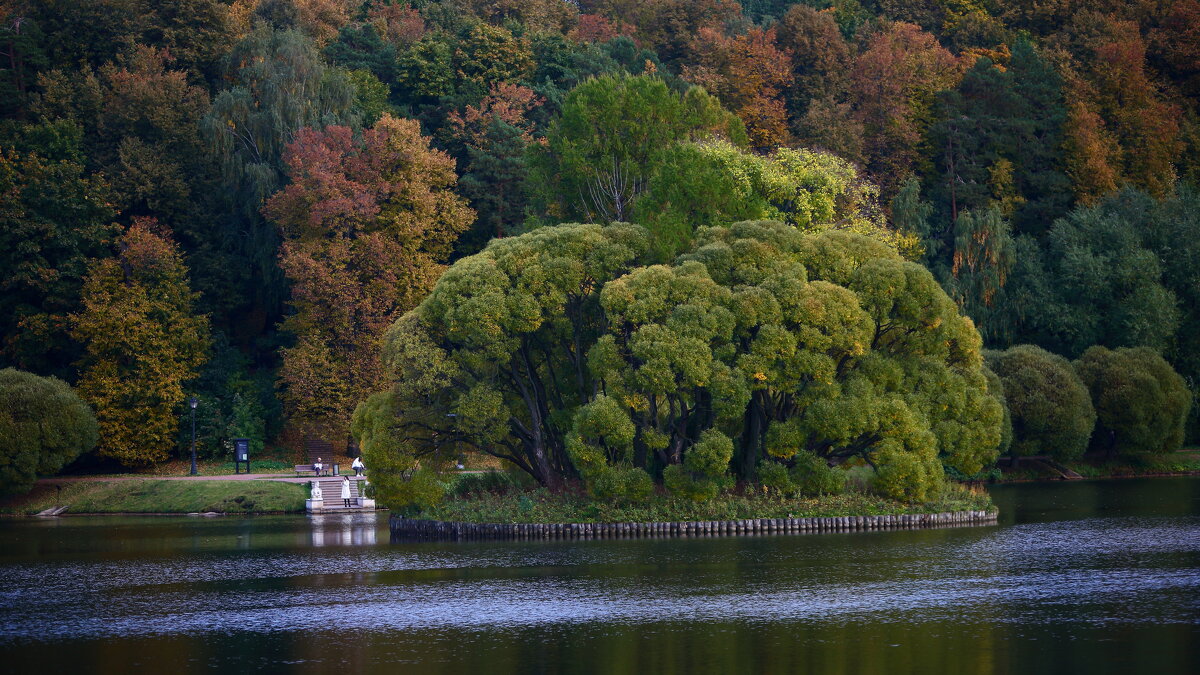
{"x":1050,"y":407}
{"x":808,"y":476}
{"x":1141,"y":402}
{"x":43,"y":426}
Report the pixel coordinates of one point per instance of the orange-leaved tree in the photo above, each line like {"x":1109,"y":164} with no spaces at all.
{"x":367,"y":224}
{"x":749,"y":74}
{"x":142,"y":341}
{"x":1118,"y":107}
{"x":895,"y":80}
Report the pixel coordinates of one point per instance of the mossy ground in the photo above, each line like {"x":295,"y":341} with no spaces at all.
{"x":161,"y":496}
{"x":541,"y":506}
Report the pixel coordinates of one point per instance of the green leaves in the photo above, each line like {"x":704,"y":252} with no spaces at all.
{"x":738,"y":353}
{"x":612,"y":135}
{"x":495,"y":356}
{"x":709,"y":183}
{"x":44,"y":425}
{"x":1141,"y":402}
{"x":1050,"y":406}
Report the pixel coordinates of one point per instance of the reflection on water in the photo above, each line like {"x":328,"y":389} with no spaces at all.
{"x":344,"y":529}
{"x":1109,"y":586}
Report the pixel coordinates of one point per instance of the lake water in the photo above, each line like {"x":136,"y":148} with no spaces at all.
{"x":1089,"y":577}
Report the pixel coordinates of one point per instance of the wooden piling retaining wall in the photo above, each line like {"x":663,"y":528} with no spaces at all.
{"x":414,"y":529}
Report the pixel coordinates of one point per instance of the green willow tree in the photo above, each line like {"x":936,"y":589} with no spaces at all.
{"x":717,"y":183}
{"x":828,"y":344}
{"x":1141,"y":402}
{"x":559,"y":352}
{"x":278,"y":85}
{"x":984,"y":255}
{"x":142,"y":342}
{"x":1050,"y":408}
{"x":496,"y":356}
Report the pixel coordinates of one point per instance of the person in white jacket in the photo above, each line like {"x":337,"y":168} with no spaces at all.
{"x":346,"y":490}
{"x":358,"y":466}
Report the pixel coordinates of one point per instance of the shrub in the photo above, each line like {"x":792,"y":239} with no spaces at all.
{"x":808,"y":476}
{"x":1141,"y":402}
{"x":813,"y":476}
{"x":904,"y":477}
{"x":621,"y":484}
{"x":1050,"y":408}
{"x":775,"y":476}
{"x":43,"y":426}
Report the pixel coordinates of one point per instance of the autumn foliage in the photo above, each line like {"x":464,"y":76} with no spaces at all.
{"x":367,"y":224}
{"x":142,"y":341}
{"x":313,"y":166}
{"x":750,"y":75}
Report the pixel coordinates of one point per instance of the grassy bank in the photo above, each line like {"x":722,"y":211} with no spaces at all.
{"x":541,"y":506}
{"x":161,"y":496}
{"x":1178,"y":463}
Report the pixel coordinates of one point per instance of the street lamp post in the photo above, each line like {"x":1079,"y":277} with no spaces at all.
{"x":193,"y":402}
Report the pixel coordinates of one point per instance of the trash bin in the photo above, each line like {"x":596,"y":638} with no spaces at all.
{"x":335,"y":470}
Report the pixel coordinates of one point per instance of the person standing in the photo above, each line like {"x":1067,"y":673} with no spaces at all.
{"x":346,"y":490}
{"x":358,"y":466}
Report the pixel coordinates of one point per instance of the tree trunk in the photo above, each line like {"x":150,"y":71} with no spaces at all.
{"x":752,"y":437}
{"x":546,"y":475}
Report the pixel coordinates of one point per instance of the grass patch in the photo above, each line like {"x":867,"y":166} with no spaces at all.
{"x":256,"y":466}
{"x":541,"y":506}
{"x":275,"y":460}
{"x":1183,"y":462}
{"x":162,"y":496}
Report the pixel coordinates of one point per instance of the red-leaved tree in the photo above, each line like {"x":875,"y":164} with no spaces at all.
{"x":367,"y":224}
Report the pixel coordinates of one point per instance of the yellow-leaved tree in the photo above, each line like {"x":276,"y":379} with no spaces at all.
{"x":142,"y":342}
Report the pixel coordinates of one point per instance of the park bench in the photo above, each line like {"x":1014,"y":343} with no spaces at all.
{"x":314,"y":448}
{"x":308,"y":468}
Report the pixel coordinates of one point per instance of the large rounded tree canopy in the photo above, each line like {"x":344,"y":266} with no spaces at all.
{"x":1050,"y":406}
{"x":44,"y":425}
{"x":764,"y":347}
{"x":1141,"y":402}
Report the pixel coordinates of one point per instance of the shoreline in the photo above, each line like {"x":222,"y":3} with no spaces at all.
{"x":1114,"y":476}
{"x":435,"y":530}
{"x":158,"y":514}
{"x":301,"y":511}
{"x":155,"y":496}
